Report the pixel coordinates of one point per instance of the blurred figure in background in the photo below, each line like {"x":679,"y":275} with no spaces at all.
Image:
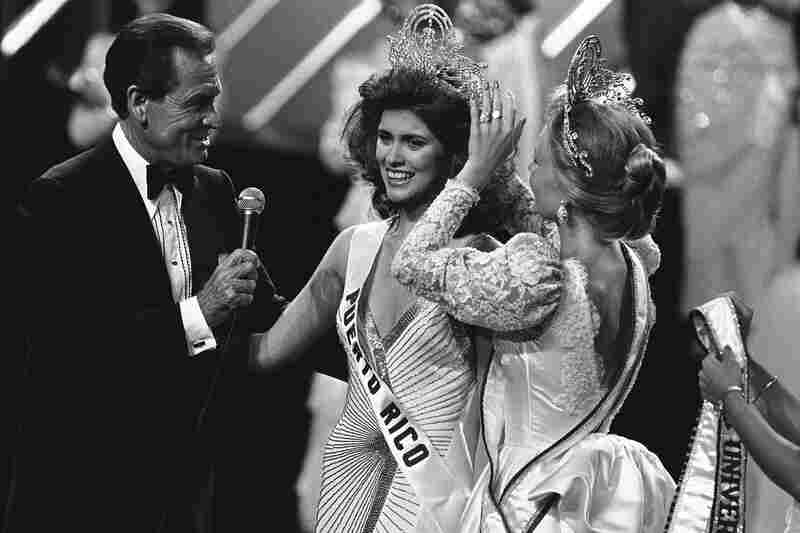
{"x":91,"y":116}
{"x":737,"y":146}
{"x":737,"y":143}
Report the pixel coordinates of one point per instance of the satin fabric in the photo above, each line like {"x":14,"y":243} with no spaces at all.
{"x":606,"y":483}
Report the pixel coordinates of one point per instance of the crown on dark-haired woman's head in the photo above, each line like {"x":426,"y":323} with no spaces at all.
{"x":427,"y":42}
{"x":588,"y":78}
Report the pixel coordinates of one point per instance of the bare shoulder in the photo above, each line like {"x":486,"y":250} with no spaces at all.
{"x":606,"y":287}
{"x":327,"y":282}
{"x":336,"y":257}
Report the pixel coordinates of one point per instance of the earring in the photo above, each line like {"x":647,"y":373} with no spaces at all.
{"x":561,"y":213}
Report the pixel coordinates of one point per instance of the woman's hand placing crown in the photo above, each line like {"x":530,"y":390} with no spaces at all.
{"x":495,"y":130}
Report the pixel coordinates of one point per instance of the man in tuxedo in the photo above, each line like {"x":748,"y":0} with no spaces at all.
{"x":137,"y":297}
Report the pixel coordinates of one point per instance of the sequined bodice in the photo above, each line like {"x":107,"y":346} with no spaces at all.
{"x":426,"y":361}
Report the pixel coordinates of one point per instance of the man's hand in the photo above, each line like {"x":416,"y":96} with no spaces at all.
{"x":230,"y":286}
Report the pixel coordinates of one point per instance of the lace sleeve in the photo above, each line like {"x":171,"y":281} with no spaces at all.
{"x":648,"y":251}
{"x":514,"y":204}
{"x":516,"y":286}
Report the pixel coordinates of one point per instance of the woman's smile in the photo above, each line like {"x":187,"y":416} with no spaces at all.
{"x":408,"y":155}
{"x":398,"y":177}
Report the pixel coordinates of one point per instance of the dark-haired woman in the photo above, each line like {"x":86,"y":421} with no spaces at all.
{"x":567,"y":298}
{"x":400,"y":457}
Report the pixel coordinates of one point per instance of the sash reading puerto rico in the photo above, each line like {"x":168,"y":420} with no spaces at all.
{"x":441,"y":494}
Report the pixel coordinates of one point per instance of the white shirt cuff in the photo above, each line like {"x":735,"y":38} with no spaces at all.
{"x":199,"y":336}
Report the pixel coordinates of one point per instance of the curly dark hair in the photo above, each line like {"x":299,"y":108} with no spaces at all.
{"x":623,"y":197}
{"x":439,"y":105}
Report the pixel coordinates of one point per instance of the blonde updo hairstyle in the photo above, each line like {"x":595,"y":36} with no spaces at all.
{"x":622,"y":197}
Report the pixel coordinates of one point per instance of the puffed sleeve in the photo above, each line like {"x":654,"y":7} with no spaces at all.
{"x":516,"y":286}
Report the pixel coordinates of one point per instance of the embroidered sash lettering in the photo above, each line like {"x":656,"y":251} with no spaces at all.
{"x":441,"y":493}
{"x":711,"y":494}
{"x":408,"y":436}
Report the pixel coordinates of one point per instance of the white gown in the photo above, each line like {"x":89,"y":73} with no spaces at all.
{"x":546,"y":409}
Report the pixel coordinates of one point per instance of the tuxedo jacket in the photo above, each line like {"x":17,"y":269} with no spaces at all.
{"x":113,"y":396}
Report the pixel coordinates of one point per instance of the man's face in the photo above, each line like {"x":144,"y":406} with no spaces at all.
{"x":180,"y":125}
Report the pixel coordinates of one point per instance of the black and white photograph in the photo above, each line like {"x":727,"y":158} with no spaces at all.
{"x":399,"y":266}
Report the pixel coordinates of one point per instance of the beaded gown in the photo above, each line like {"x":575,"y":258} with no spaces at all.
{"x":426,"y":360}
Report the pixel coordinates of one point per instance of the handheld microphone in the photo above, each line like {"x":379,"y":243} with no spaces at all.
{"x":251,"y":204}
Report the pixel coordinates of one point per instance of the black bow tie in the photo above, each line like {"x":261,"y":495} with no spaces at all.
{"x":158,"y":177}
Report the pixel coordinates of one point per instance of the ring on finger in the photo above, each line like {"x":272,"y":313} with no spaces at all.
{"x":496,"y":113}
{"x":484,"y":117}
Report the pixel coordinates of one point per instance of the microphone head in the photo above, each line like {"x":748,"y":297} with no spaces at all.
{"x":251,"y":200}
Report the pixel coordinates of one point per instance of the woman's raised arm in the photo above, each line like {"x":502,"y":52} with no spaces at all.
{"x":514,"y":287}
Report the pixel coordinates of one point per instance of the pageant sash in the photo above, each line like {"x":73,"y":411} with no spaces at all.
{"x":711,"y":493}
{"x":441,"y":490}
{"x":598,"y":420}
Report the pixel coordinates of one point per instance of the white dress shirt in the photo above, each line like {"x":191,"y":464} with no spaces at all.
{"x":169,"y":229}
